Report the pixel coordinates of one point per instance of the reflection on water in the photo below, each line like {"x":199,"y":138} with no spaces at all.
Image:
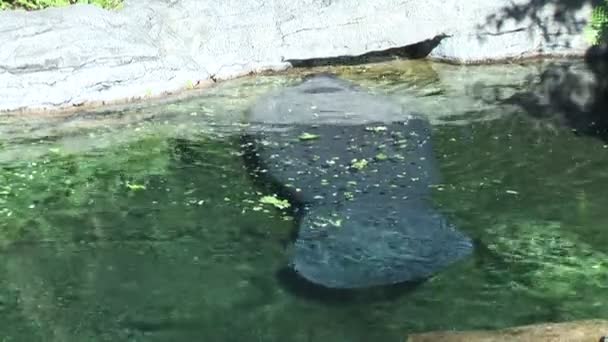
{"x":148,"y":228}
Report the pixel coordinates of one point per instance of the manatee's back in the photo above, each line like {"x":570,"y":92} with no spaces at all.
{"x":333,"y":163}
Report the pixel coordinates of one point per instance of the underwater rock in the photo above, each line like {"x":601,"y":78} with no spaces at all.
{"x":576,"y":331}
{"x":360,"y":170}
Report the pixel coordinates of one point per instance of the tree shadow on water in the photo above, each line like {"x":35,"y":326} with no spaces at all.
{"x":573,"y":98}
{"x":562,"y":92}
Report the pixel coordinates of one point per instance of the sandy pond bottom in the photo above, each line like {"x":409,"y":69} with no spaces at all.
{"x":142,"y":225}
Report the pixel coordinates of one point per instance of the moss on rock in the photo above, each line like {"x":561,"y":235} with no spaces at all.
{"x":32,"y":5}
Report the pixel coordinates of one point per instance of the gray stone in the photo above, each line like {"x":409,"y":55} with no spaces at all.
{"x":65,"y":57}
{"x":361,"y":178}
{"x":225,"y":38}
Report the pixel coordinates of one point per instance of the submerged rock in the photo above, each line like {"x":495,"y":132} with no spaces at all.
{"x":361,"y":171}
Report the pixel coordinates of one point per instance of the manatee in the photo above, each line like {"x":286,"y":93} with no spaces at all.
{"x":360,"y":170}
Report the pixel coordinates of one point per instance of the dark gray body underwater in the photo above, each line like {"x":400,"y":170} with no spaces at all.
{"x":361,"y":170}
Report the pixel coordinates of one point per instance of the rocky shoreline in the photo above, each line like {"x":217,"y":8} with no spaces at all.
{"x":576,"y":331}
{"x":61,"y":59}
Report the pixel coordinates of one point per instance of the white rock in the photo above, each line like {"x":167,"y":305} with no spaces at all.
{"x":62,"y":57}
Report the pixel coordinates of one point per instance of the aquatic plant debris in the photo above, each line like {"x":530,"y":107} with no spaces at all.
{"x":376,"y":129}
{"x":381,"y":156}
{"x":325,"y":222}
{"x":308,"y":136}
{"x":276,"y":202}
{"x":359,"y":164}
{"x":135,"y":187}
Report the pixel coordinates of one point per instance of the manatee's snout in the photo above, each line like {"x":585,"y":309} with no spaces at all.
{"x":357,"y":249}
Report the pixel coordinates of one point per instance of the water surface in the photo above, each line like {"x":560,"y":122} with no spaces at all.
{"x":142,"y":224}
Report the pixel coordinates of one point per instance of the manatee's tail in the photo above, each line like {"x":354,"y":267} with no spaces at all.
{"x":355,"y":247}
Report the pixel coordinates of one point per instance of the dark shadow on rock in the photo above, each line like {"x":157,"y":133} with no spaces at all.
{"x":564,"y":13}
{"x":300,"y":287}
{"x":414,"y":51}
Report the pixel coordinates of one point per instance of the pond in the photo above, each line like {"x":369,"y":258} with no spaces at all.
{"x":142,"y":224}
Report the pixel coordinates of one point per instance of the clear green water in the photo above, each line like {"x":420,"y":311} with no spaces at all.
{"x":144,"y":226}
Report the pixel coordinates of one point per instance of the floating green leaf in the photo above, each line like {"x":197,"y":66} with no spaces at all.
{"x":359,"y":164}
{"x":381,"y":156}
{"x":323,"y":222}
{"x":135,"y":187}
{"x":308,"y":136}
{"x":376,"y":129}
{"x":276,"y":202}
